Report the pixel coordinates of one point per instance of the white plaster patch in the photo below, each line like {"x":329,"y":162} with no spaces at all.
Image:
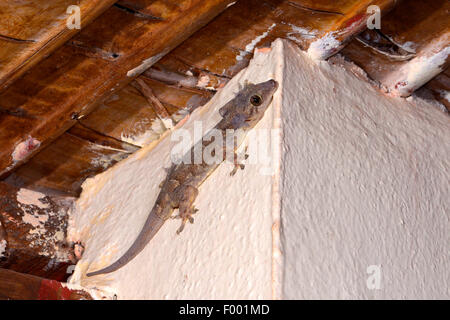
{"x":167,"y":122}
{"x":3,"y":244}
{"x":445,"y":94}
{"x":38,"y":236}
{"x":305,"y":33}
{"x":419,"y":71}
{"x":144,"y":137}
{"x":96,"y":294}
{"x":319,"y":49}
{"x":203,"y":81}
{"x":24,"y":148}
{"x":30,"y":197}
{"x":251,"y":46}
{"x":146,"y":64}
{"x":36,"y":220}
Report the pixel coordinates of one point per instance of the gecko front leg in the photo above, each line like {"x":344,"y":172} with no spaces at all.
{"x":237,"y":164}
{"x":183,"y":198}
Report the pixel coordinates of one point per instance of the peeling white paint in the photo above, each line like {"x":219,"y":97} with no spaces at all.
{"x":38,"y":236}
{"x":31,"y":197}
{"x":3,"y":244}
{"x":235,"y":273}
{"x":36,"y":220}
{"x":445,"y":94}
{"x":251,"y":46}
{"x":24,"y":148}
{"x":319,"y":49}
{"x":203,"y":81}
{"x":408,"y":46}
{"x":422,"y":69}
{"x":167,"y":122}
{"x":144,"y":137}
{"x":305,"y":33}
{"x":146,"y":64}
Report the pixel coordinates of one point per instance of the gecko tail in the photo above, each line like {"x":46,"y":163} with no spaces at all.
{"x":150,"y":228}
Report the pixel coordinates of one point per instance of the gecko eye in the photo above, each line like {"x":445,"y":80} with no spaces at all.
{"x":256,"y":100}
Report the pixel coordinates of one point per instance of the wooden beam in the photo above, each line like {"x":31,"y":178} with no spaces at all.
{"x":439,"y":87}
{"x":31,"y":31}
{"x":33,"y":232}
{"x":104,"y":57}
{"x":19,"y":286}
{"x":351,"y":19}
{"x":415,"y":46}
{"x":74,"y":156}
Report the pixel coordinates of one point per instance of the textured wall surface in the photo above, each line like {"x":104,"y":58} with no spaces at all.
{"x":365,"y":182}
{"x":225,"y":254}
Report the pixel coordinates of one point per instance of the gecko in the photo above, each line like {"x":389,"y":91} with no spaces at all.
{"x":180,"y":187}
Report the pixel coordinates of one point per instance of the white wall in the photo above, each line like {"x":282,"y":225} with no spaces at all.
{"x":363,"y":180}
{"x":225,"y":254}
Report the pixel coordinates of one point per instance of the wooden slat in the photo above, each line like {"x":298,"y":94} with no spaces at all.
{"x":31,"y":30}
{"x":19,"y":286}
{"x":130,"y":116}
{"x":440,"y":88}
{"x":233,"y":35}
{"x":34,"y":232}
{"x":76,"y":155}
{"x":101,"y":59}
{"x":415,"y":39}
{"x":351,"y":20}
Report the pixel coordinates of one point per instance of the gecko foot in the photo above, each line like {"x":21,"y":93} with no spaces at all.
{"x":238,"y":165}
{"x":183,"y":198}
{"x":185,"y":216}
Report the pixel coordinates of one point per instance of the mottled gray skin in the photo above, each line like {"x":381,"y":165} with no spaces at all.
{"x":180,"y":188}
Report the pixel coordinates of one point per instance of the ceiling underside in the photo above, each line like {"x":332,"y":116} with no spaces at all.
{"x":75,"y":102}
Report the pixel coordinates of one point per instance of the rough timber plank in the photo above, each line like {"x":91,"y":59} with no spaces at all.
{"x":31,"y":30}
{"x":411,"y":48}
{"x":440,"y":88}
{"x":34,"y":227}
{"x":74,"y":156}
{"x":352,"y":19}
{"x":102,"y":58}
{"x":19,"y":286}
{"x":231,"y":38}
{"x":129,"y":116}
{"x":233,"y":35}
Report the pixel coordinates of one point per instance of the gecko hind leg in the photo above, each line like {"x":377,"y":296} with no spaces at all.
{"x":184,"y":196}
{"x":238,"y":165}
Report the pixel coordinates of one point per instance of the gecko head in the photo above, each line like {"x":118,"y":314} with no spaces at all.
{"x":249,"y":105}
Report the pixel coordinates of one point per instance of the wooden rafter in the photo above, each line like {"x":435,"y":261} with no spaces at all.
{"x":19,"y":286}
{"x":31,"y":30}
{"x":40,"y":106}
{"x":415,"y":40}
